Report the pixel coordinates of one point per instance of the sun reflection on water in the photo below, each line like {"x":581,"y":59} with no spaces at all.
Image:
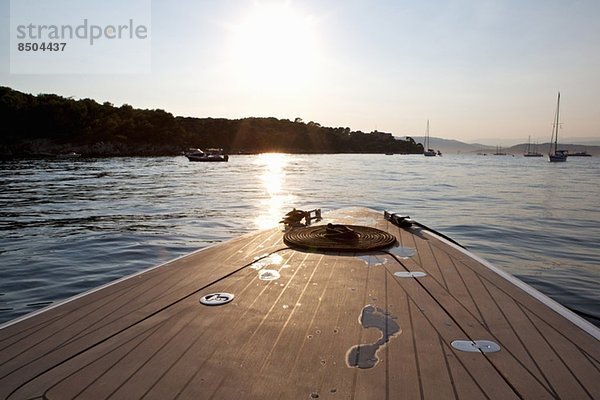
{"x":277,"y":201}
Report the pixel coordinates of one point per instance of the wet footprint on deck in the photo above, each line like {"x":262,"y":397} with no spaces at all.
{"x":365,"y":355}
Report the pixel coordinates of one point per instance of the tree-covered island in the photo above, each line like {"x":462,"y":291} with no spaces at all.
{"x":48,"y":124}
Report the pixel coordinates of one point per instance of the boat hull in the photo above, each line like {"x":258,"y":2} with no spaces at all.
{"x":298,"y":324}
{"x":580,"y":154}
{"x":557,"y":158}
{"x":223,"y":158}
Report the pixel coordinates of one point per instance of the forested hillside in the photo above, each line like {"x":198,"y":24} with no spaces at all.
{"x":48,"y":124}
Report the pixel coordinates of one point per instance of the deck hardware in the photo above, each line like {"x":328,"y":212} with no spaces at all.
{"x":406,"y":222}
{"x":409,"y":274}
{"x":216,"y":299}
{"x":477,"y":346}
{"x":403,"y":221}
{"x":294,"y":218}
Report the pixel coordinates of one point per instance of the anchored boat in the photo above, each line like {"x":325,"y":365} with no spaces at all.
{"x":209,"y":155}
{"x":556,"y":155}
{"x":361,"y":304}
{"x":531,"y":152}
{"x":428,"y":152}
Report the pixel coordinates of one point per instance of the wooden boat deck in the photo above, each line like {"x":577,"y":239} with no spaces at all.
{"x":148,"y":336}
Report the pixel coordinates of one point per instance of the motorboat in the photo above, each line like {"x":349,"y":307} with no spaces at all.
{"x":208,"y":155}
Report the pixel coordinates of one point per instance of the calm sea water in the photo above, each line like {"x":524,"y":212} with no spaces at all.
{"x":68,"y":226}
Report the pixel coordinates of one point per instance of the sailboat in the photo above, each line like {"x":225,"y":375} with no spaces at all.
{"x":556,"y":155}
{"x":529,"y":152}
{"x":427,"y":151}
{"x":499,"y":151}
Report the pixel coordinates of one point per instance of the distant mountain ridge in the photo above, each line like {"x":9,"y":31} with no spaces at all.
{"x":544,"y":147}
{"x":451,"y":146}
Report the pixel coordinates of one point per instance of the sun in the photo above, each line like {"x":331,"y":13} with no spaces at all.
{"x":274,"y":47}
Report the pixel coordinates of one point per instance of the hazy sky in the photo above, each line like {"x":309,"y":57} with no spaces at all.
{"x":478,"y":70}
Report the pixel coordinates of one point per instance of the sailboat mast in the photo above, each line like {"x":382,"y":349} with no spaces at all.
{"x":556,"y":124}
{"x":427,"y":137}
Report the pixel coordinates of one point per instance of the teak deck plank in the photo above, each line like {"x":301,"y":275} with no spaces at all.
{"x":121,"y":306}
{"x":205,"y":321}
{"x":346,"y":303}
{"x":568,"y":329}
{"x":303,"y":302}
{"x":455,"y":282}
{"x":433,"y":325}
{"x":520,"y":377}
{"x":370,"y":383}
{"x":108,"y":305}
{"x":148,"y":336}
{"x":500,"y":327}
{"x":577,"y":379}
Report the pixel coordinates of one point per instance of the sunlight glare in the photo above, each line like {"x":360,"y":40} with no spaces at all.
{"x":274,"y":47}
{"x":273,"y":179}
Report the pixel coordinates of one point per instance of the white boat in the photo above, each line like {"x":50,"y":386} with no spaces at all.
{"x":556,"y":155}
{"x":209,"y":155}
{"x":427,"y":151}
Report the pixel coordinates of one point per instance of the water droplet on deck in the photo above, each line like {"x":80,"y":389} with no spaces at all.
{"x":373,"y":260}
{"x":365,"y":355}
{"x":268,"y":275}
{"x":273,"y":259}
{"x":403,"y":252}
